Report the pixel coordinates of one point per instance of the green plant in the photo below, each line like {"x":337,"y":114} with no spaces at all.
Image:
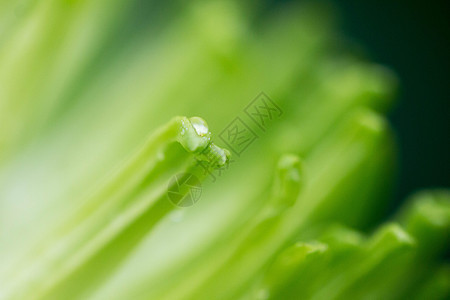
{"x":297,"y":215}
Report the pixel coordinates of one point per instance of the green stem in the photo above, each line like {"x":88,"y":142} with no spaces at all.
{"x":128,"y":205}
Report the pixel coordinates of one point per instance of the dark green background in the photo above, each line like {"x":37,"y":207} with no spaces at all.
{"x":413,"y":39}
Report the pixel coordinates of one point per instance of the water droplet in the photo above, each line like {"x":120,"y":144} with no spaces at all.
{"x":200,"y":126}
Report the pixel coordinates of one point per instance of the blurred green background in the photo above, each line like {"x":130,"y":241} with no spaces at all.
{"x":412,"y":38}
{"x":85,"y":82}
